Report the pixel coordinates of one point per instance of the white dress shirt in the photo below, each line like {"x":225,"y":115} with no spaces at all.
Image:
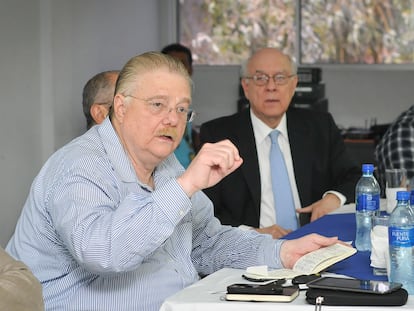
{"x":261,"y":135}
{"x":263,"y":143}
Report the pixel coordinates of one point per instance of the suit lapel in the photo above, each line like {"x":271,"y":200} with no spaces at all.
{"x":247,"y":149}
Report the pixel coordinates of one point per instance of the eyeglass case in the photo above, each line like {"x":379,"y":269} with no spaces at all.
{"x":345,"y":298}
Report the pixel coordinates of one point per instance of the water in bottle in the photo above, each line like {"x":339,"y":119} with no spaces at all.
{"x":412,"y":199}
{"x":367,"y":202}
{"x":401,"y":242}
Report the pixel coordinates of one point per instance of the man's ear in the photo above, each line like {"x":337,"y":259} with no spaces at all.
{"x":119,"y":107}
{"x":99,"y":112}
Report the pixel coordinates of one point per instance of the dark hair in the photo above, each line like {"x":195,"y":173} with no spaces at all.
{"x":177,"y":47}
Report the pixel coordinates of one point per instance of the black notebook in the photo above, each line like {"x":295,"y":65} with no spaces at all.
{"x":257,"y":292}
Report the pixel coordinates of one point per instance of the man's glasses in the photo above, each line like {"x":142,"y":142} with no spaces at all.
{"x":261,"y":79}
{"x":159,"y":106}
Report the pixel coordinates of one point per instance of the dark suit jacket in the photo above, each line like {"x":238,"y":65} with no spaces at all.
{"x":320,"y":162}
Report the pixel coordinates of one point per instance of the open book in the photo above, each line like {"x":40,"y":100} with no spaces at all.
{"x":311,"y":263}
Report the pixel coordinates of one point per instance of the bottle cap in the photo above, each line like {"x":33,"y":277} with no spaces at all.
{"x":403,"y":195}
{"x":367,"y":168}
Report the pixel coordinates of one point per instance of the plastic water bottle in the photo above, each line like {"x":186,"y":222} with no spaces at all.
{"x":401,"y":242}
{"x":367,"y":201}
{"x":412,"y":199}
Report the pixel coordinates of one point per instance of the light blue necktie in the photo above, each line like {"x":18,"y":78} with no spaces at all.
{"x":282,"y":193}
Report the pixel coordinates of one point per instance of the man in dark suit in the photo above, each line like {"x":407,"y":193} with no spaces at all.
{"x":322,"y":175}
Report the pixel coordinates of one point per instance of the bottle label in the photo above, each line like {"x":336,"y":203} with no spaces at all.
{"x":368,"y":202}
{"x":401,"y":237}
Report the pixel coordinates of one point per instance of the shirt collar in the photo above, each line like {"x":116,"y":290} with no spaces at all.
{"x":261,"y":130}
{"x":115,"y":151}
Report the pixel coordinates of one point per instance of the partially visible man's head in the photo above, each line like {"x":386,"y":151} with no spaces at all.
{"x":97,"y":96}
{"x":269,"y":81}
{"x":182,"y":53}
{"x":151,"y":106}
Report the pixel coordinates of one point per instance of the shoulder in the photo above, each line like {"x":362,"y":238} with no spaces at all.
{"x":308,"y":114}
{"x":224,"y":127}
{"x":404,"y":120}
{"x":224,"y":121}
{"x":84,"y":155}
{"x":310,"y":118}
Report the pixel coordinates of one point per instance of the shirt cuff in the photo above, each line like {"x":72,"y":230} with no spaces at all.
{"x":340,"y":196}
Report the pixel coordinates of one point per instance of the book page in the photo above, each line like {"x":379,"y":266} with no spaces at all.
{"x":313,"y":262}
{"x":322,"y":258}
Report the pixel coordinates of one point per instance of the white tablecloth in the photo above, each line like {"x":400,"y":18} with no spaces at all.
{"x":207,"y":295}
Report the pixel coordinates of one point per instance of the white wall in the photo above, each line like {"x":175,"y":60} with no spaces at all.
{"x":359,"y":95}
{"x":51,"y":47}
{"x":20,"y":119}
{"x":88,"y":37}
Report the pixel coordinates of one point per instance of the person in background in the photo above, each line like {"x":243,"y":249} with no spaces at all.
{"x":396,"y":147}
{"x":190,"y":144}
{"x":97,"y":96}
{"x":321,"y":173}
{"x":114,"y":222}
{"x":19,"y":288}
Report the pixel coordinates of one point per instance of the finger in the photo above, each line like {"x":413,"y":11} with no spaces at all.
{"x":228,"y":156}
{"x":276,"y":234}
{"x":278,"y":231}
{"x":316,"y":215}
{"x":217,"y":154}
{"x":284,"y":231}
{"x":326,"y":241}
{"x":231,"y":147}
{"x":303,"y":210}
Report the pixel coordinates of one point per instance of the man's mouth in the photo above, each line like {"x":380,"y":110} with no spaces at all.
{"x":168,"y":134}
{"x":168,"y":137}
{"x":272,"y":100}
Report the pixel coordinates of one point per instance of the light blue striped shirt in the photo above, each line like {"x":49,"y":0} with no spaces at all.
{"x":98,"y":239}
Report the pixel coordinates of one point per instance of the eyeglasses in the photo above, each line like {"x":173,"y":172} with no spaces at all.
{"x":261,"y":79}
{"x":159,"y":106}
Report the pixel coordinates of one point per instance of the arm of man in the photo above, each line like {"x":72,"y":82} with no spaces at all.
{"x":136,"y":221}
{"x":212,"y":163}
{"x":275,"y":231}
{"x":344,"y":170}
{"x":331,"y":173}
{"x":324,"y":206}
{"x":292,"y":250}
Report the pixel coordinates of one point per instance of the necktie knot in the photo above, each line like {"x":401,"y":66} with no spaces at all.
{"x":273,"y":136}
